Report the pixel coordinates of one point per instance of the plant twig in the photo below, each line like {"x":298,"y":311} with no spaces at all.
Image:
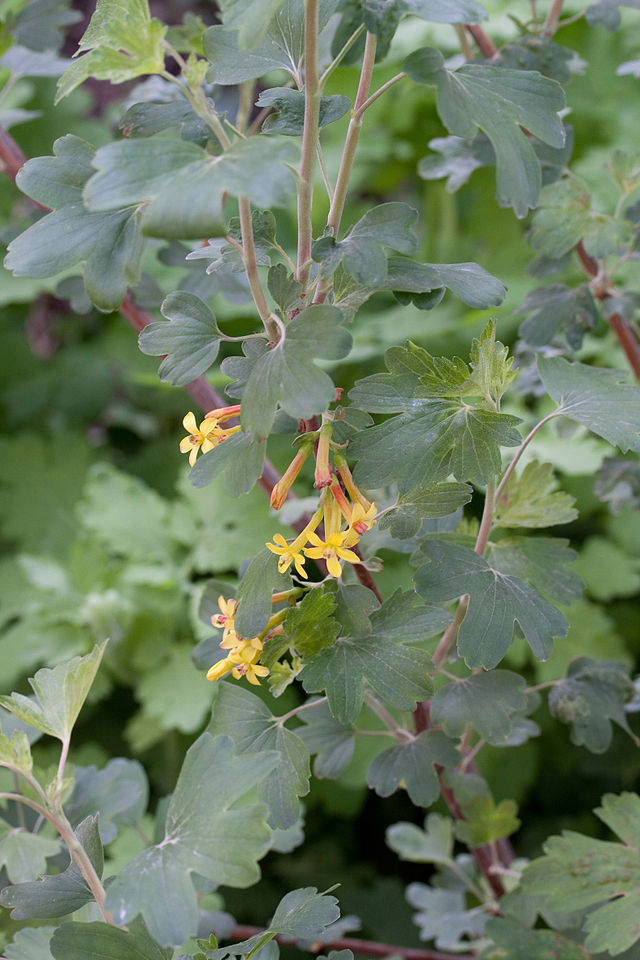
{"x":552,"y":18}
{"x":310,"y":140}
{"x":251,"y":267}
{"x":485,"y":44}
{"x":369,"y":948}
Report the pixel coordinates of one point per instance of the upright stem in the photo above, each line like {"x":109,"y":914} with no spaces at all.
{"x":353,"y":135}
{"x":487,"y":518}
{"x":521,"y":449}
{"x":251,"y":266}
{"x":309,"y":141}
{"x":551,"y":20}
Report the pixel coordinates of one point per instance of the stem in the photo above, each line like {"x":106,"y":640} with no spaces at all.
{"x":324,"y":172}
{"x":378,"y":93}
{"x":450,"y":635}
{"x":486,"y":46}
{"x":551,"y":20}
{"x":353,"y":135}
{"x":337,"y":60}
{"x":487,"y":518}
{"x":521,"y":449}
{"x":310,"y":135}
{"x":61,"y":765}
{"x":464,"y":41}
{"x":77,"y":851}
{"x":296,"y":710}
{"x":371,"y":948}
{"x":389,"y":721}
{"x":251,"y":267}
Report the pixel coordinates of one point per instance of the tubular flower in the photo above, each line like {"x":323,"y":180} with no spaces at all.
{"x":206,"y":436}
{"x":323,"y":474}
{"x":333,"y":550}
{"x":288,"y":553}
{"x":247,"y":666}
{"x":224,"y":619}
{"x":282,"y":487}
{"x":342,"y":469}
{"x":241,"y":661}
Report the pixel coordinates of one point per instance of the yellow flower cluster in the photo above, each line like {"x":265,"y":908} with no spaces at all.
{"x":209,"y":434}
{"x":243,"y":656}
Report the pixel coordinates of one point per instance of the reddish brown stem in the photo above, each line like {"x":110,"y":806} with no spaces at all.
{"x":11,"y":156}
{"x":618,"y":324}
{"x":485,"y":44}
{"x":482,"y":855}
{"x":369,"y":948}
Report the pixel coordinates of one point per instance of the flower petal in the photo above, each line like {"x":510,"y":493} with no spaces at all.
{"x":189,"y":423}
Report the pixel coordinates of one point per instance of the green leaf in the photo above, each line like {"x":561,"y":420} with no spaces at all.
{"x":500,"y":102}
{"x":150,"y":117}
{"x":603,"y":400}
{"x":239,"y":458}
{"x":189,"y":343}
{"x":123,"y":42}
{"x":486,"y":821}
{"x":309,"y":626}
{"x":260,"y":580}
{"x":405,"y":616}
{"x":432,"y":501}
{"x":283,"y":287}
{"x":608,"y":570}
{"x":361,"y":253}
{"x":496,"y":602}
{"x":171,"y":177}
{"x":379,"y":18}
{"x":490,"y":365}
{"x":542,"y":562}
{"x":332,"y":742}
{"x":558,"y":309}
{"x":469,"y":281}
{"x":30,"y":943}
{"x":433,"y":844}
{"x":244,"y":718}
{"x":490,"y":702}
{"x":565,"y":216}
{"x":252,"y":18}
{"x":457,"y":161}
{"x":618,"y":484}
{"x":411,"y":765}
{"x":590,"y":698}
{"x":62,"y":893}
{"x":108,"y":244}
{"x":286,"y":374}
{"x":396,"y":672}
{"x":288,"y":105}
{"x":24,"y":854}
{"x":282,"y":47}
{"x":118,"y":793}
{"x":60,"y":694}
{"x":15,"y":753}
{"x":88,"y":941}
{"x":579,"y":872}
{"x":206,"y":832}
{"x":531,"y":499}
{"x":304,"y":914}
{"x":443,"y":916}
{"x":513,"y":941}
{"x":174,"y":694}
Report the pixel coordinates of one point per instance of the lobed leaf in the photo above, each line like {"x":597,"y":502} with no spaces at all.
{"x":411,"y":765}
{"x":590,"y":698}
{"x":189,"y":342}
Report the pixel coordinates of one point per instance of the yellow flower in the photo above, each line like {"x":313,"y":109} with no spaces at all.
{"x":288,"y":553}
{"x":220,"y":668}
{"x":362,"y":519}
{"x":247,"y":666}
{"x":334,"y":549}
{"x":224,"y":619}
{"x":206,"y":436}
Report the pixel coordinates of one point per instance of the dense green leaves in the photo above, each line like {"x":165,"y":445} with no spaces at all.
{"x":435,"y":500}
{"x":591,"y":697}
{"x":411,"y":765}
{"x":424,"y":283}
{"x":107,"y":243}
{"x":189,"y":342}
{"x":286,"y":375}
{"x":118,"y":793}
{"x":496,"y":602}
{"x":578,"y":872}
{"x":288,"y":106}
{"x":309,"y":626}
{"x":603,"y":400}
{"x":558,"y":309}
{"x":512,"y":940}
{"x":60,"y":693}
{"x":244,"y":718}
{"x":206,"y":832}
{"x":239,"y":458}
{"x":499,"y":101}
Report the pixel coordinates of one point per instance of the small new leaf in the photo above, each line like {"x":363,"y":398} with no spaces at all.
{"x":60,"y":693}
{"x":591,"y":698}
{"x":532,"y":500}
{"x":189,"y":342}
{"x":500,"y":102}
{"x":309,"y":626}
{"x":433,"y":844}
